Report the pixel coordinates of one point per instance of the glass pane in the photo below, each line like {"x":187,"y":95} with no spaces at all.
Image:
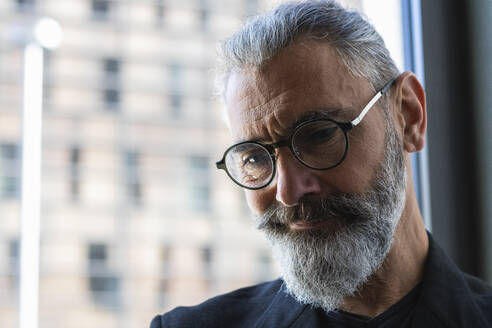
{"x":135,"y":220}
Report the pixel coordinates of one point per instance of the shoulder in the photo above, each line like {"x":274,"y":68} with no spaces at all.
{"x":238,"y":308}
{"x":481,"y":292}
{"x":478,"y":286}
{"x":452,"y":296}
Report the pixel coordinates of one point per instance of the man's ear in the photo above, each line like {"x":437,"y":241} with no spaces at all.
{"x":409,"y":98}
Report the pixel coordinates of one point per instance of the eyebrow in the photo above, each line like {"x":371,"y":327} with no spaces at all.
{"x":321,"y":113}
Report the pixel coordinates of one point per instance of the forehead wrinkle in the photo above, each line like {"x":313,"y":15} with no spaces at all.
{"x":279,"y":128}
{"x":268,"y":128}
{"x":267,"y":119}
{"x":265,"y":103}
{"x":271,"y":106}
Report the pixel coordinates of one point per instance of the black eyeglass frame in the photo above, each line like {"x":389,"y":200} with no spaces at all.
{"x":270,"y":148}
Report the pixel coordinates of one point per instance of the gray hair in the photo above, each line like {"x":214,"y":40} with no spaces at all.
{"x":359,"y":47}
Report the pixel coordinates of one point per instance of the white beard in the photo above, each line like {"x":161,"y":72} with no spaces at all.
{"x":321,"y":268}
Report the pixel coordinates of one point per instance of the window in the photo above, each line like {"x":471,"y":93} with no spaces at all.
{"x":203,"y":13}
{"x":25,"y":5}
{"x":132,"y":177}
{"x":75,"y":173}
{"x":9,"y":171}
{"x":100,"y":9}
{"x":164,"y":275}
{"x":199,"y":183}
{"x":160,"y":11}
{"x":174,"y":77}
{"x":98,"y":253}
{"x":112,"y":66}
{"x":14,"y":264}
{"x":104,"y":285}
{"x":176,"y":103}
{"x":207,"y":264}
{"x":112,"y":98}
{"x":111,"y":81}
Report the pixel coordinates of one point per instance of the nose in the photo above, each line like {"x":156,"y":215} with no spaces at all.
{"x":294,"y":180}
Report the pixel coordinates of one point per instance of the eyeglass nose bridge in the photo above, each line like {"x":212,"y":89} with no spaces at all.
{"x":282,"y":143}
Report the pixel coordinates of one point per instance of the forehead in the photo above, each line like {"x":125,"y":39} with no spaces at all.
{"x":263,"y":104}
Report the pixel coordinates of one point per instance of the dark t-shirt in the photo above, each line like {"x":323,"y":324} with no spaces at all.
{"x":398,"y":315}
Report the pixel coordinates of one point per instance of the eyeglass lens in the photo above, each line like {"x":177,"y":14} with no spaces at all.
{"x":250,"y":165}
{"x":318,"y":144}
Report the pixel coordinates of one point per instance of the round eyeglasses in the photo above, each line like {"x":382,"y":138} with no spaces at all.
{"x":320,"y":144}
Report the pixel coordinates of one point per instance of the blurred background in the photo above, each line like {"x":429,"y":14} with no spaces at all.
{"x":134,"y":218}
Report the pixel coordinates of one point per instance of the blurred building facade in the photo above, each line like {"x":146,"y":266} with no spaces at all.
{"x":135,"y":218}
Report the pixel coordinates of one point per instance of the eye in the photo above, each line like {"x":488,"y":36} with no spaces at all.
{"x":321,"y":135}
{"x":249,"y":164}
{"x":255,"y":160}
{"x":256,"y":166}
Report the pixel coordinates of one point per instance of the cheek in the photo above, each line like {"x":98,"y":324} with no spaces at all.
{"x":359,"y":167}
{"x":260,"y":200}
{"x":352,"y":177}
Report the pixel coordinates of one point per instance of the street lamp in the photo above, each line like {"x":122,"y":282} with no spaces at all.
{"x":45,"y":33}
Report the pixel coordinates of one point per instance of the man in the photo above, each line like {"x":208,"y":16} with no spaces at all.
{"x":323,"y":127}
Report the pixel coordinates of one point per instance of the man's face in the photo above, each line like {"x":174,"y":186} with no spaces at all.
{"x":330,"y":229}
{"x":265,"y":106}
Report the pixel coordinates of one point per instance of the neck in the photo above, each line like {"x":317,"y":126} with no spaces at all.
{"x":402,"y":269}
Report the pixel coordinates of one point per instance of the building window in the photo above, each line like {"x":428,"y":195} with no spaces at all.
{"x":207,"y":265}
{"x":203,"y":13}
{"x":104,"y":284}
{"x":176,"y":103}
{"x":207,"y":259}
{"x":160,"y":12}
{"x":112,"y":66}
{"x":174,"y":77}
{"x":199,"y":183}
{"x":25,"y":5}
{"x":100,"y":9}
{"x":132,"y":177}
{"x":9,"y":171}
{"x":111,"y":81}
{"x":164,"y":275}
{"x":14,"y":264}
{"x":75,"y":173}
{"x":112,"y":98}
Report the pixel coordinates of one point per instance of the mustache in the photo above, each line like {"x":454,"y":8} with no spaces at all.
{"x":344,"y":208}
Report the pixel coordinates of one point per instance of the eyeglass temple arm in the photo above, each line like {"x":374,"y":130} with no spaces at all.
{"x":371,"y":103}
{"x":221,"y":164}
